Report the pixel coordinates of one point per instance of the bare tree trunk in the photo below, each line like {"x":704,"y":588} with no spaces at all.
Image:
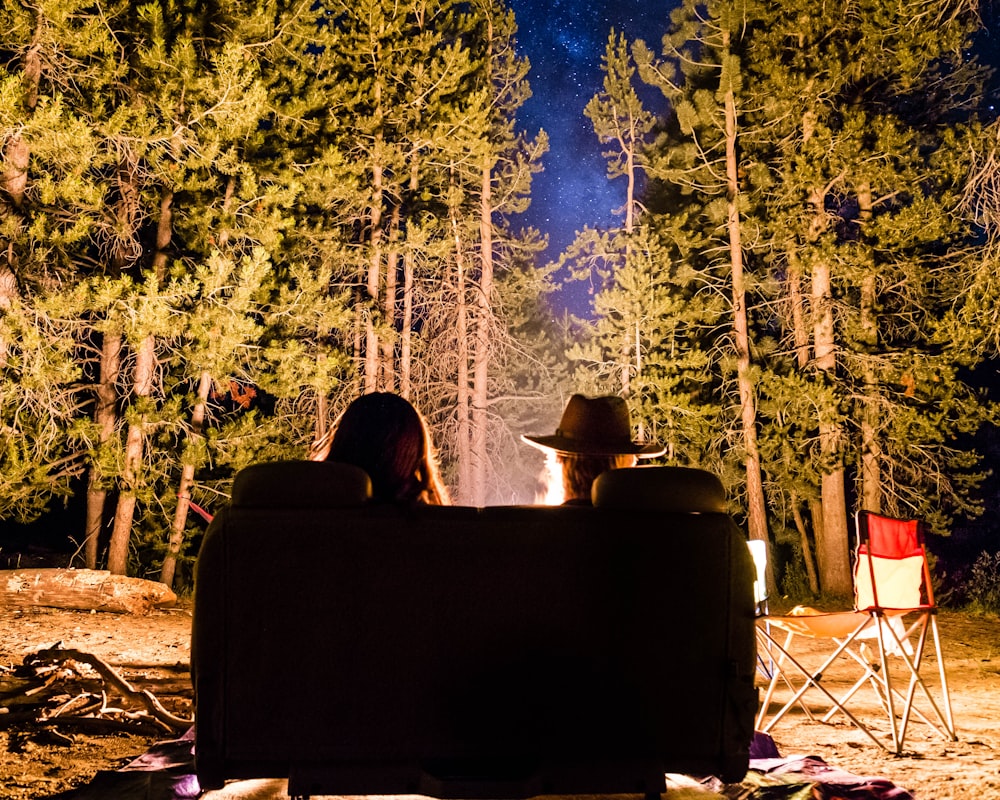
{"x":388,"y":366}
{"x":83,"y":589}
{"x":125,"y":249}
{"x":406,"y":335}
{"x":800,"y":331}
{"x":122,"y":530}
{"x":187,"y":481}
{"x":816,"y":513}
{"x":106,"y":416}
{"x":829,"y":524}
{"x":800,"y":338}
{"x":871,"y":454}
{"x":463,"y":445}
{"x":833,"y":547}
{"x":145,"y":364}
{"x":406,"y":312}
{"x":374,"y":281}
{"x":484,"y":328}
{"x":358,"y":340}
{"x":756,"y":506}
{"x":807,"y":556}
{"x":17,"y":154}
{"x":14,"y":179}
{"x":13,"y":184}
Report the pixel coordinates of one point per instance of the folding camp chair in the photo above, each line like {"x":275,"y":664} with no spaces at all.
{"x":894,"y":608}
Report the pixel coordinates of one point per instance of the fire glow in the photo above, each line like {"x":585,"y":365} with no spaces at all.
{"x":551,"y":492}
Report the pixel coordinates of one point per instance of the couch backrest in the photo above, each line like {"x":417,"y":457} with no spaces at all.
{"x":460,"y":652}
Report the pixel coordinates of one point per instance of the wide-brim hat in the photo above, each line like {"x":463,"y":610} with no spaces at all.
{"x":595,"y":426}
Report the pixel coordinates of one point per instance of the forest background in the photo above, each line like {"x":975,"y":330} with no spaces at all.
{"x":219,"y":223}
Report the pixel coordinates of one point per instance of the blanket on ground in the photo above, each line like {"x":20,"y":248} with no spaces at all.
{"x":166,"y":772}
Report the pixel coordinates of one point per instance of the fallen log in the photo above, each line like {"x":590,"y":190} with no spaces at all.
{"x":83,"y":589}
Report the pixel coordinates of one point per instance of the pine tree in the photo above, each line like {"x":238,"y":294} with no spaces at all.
{"x":804,"y":129}
{"x":508,"y":160}
{"x":58,"y":166}
{"x":868,"y":160}
{"x":700,"y":74}
{"x":647,"y":302}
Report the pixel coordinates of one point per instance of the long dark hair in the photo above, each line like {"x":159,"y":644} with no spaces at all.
{"x":385,"y":435}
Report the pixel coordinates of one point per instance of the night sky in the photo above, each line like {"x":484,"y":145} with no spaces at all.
{"x":564,"y":40}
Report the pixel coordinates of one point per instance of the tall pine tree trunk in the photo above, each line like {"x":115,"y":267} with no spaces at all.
{"x":14,"y":178}
{"x":388,"y":365}
{"x":106,"y":417}
{"x":373,"y":283}
{"x":756,"y":507}
{"x":142,"y":388}
{"x":833,"y":549}
{"x":406,"y":334}
{"x":406,"y":312}
{"x":804,"y":543}
{"x":187,"y":481}
{"x":357,"y":340}
{"x":196,"y":432}
{"x":871,"y":456}
{"x":830,"y":519}
{"x":126,"y":248}
{"x":800,"y":340}
{"x":464,"y":441}
{"x":145,"y":364}
{"x":481,"y":359}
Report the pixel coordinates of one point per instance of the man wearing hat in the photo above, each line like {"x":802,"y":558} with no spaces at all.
{"x":594,"y":435}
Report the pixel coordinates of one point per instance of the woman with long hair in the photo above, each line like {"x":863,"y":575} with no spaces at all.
{"x":385,"y":435}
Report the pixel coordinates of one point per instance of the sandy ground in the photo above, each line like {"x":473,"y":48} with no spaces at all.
{"x":153,"y":652}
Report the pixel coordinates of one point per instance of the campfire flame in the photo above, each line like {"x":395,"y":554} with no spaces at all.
{"x":551,"y":492}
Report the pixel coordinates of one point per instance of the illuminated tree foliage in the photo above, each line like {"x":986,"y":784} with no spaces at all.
{"x":856,"y":137}
{"x":218,"y":224}
{"x":640,"y":345}
{"x":165,"y":276}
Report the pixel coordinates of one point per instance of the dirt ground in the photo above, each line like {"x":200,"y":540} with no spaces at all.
{"x":930,"y":767}
{"x":153,"y":652}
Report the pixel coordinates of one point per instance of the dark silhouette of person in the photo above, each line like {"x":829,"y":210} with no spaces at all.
{"x":594,"y":435}
{"x":383,"y":434}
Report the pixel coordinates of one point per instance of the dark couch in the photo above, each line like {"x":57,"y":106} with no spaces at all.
{"x":501,"y":652}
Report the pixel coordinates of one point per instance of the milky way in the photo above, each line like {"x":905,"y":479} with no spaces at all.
{"x":564,"y":42}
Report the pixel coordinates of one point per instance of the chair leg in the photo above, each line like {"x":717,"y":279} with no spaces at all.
{"x":812,"y":681}
{"x":776,"y":673}
{"x":948,"y":720}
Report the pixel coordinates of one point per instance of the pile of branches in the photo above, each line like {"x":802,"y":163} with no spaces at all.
{"x":57,"y":689}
